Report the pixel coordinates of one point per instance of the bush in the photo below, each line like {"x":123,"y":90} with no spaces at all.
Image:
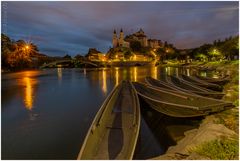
{"x":224,"y":149}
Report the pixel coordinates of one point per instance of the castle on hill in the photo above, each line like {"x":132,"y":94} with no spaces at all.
{"x":137,"y":36}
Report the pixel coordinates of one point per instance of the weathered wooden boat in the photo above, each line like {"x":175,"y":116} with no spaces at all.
{"x":188,"y":87}
{"x":114,"y":131}
{"x":201,"y":83}
{"x":219,"y":81}
{"x":160,"y":84}
{"x":167,"y":86}
{"x":179,"y":104}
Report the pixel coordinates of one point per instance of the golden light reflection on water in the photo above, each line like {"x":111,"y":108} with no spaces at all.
{"x":28,"y":98}
{"x":116,"y":76}
{"x":168,"y":70}
{"x":177,"y":72}
{"x":154,"y":72}
{"x":28,"y":81}
{"x":59,"y":73}
{"x":104,"y":81}
{"x":188,"y":72}
{"x":135,"y":74}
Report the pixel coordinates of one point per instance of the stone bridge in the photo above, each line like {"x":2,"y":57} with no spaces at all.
{"x":58,"y":62}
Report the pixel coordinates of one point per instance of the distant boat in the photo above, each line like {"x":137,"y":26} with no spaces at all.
{"x":201,"y":83}
{"x":114,"y":131}
{"x":188,"y":87}
{"x":179,"y":104}
{"x":219,"y":81}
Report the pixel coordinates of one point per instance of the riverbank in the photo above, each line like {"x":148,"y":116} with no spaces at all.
{"x":218,"y":135}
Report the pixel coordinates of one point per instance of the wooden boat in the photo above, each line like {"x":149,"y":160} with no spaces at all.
{"x":201,"y":83}
{"x":114,"y":131}
{"x":160,"y":84}
{"x":187,"y":87}
{"x":167,"y":86}
{"x":219,"y":81}
{"x":179,"y":104}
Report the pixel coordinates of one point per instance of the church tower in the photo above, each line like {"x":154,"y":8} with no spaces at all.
{"x":114,"y":40}
{"x":121,"y":38}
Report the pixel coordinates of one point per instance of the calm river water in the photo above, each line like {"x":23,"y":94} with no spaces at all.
{"x":46,"y":113}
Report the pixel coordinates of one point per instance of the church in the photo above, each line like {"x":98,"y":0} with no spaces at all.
{"x":119,"y":42}
{"x":137,"y":36}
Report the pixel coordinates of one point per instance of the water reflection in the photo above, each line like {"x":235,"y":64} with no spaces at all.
{"x":28,"y":83}
{"x":59,"y":73}
{"x":176,"y":72}
{"x":188,"y":71}
{"x":84,"y":71}
{"x":135,"y":74}
{"x":116,"y":76}
{"x":104,"y":81}
{"x":154,"y":71}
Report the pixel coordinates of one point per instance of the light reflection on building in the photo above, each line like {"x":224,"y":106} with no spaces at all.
{"x":116,"y":76}
{"x":104,"y":81}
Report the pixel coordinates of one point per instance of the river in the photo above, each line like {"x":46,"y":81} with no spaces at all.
{"x":46,"y":113}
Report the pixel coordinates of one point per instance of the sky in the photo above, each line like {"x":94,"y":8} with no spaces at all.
{"x":60,"y":28}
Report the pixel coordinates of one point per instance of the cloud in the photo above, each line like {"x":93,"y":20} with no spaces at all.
{"x":73,"y":27}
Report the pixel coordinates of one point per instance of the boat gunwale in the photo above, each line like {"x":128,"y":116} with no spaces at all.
{"x":196,"y":92}
{"x":181,"y":90}
{"x":199,"y":81}
{"x":192,"y":85}
{"x":190,"y":107}
{"x":96,"y":120}
{"x":202,"y":108}
{"x":214,"y":80}
{"x":189,"y":94}
{"x":137,"y":115}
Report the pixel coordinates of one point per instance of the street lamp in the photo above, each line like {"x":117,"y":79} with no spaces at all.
{"x":27,"y":47}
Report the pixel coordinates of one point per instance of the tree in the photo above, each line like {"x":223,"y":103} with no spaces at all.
{"x":230,"y":48}
{"x":135,"y":45}
{"x":67,"y":56}
{"x":128,"y":54}
{"x":17,"y":54}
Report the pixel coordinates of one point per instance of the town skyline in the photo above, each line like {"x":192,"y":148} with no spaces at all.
{"x":57,"y":30}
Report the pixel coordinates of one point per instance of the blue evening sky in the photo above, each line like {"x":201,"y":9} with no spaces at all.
{"x":60,"y":28}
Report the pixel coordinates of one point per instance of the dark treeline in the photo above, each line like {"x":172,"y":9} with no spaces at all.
{"x":227,"y":49}
{"x":20,"y":54}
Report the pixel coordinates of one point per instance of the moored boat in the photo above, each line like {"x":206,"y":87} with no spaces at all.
{"x":219,"y":81}
{"x":114,"y":131}
{"x":160,"y":84}
{"x":201,"y":83}
{"x":188,"y":87}
{"x":179,"y":104}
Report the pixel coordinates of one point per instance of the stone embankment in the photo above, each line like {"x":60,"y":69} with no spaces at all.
{"x":209,"y":130}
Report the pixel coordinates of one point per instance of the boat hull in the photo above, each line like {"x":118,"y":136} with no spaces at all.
{"x":114,"y":131}
{"x":179,"y":104}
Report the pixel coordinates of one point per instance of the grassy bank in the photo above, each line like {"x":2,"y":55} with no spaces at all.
{"x":225,"y":148}
{"x":218,"y":135}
